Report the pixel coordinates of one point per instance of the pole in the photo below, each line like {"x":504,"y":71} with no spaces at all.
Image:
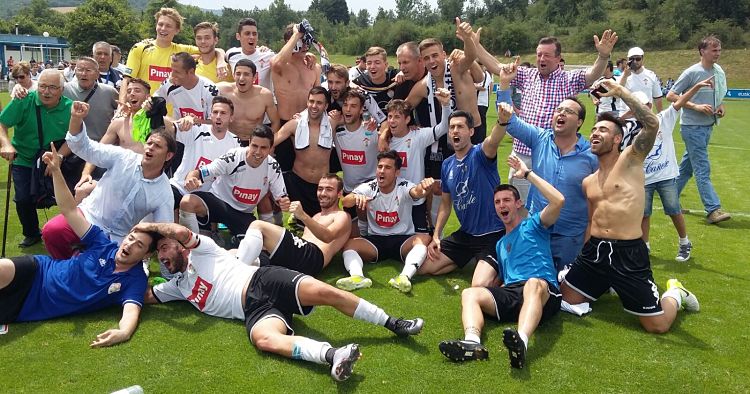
{"x":7,"y":207}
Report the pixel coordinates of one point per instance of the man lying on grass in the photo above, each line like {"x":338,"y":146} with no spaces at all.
{"x":529,"y":291}
{"x":41,"y":288}
{"x":218,"y":284}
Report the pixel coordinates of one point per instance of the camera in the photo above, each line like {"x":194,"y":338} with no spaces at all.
{"x":307,"y":31}
{"x":631,"y":64}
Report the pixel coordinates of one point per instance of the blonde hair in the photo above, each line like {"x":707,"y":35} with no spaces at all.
{"x":377,"y":51}
{"x":170,"y":13}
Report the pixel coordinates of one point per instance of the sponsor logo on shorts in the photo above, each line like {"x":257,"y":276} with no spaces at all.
{"x":158,"y":74}
{"x":246,"y":196}
{"x":404,"y":163}
{"x":200,"y":293}
{"x":189,"y":111}
{"x":386,"y":219}
{"x":353,"y":157}
{"x":202,"y":162}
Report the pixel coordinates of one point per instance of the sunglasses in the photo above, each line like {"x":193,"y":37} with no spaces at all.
{"x":20,"y":77}
{"x":636,"y":58}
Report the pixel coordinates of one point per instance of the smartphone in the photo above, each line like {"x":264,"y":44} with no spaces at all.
{"x":598,"y":91}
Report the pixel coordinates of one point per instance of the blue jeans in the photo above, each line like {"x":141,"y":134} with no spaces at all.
{"x":695,"y":162}
{"x":670,"y":199}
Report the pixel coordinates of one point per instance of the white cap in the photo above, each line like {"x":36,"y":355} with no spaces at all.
{"x":642,"y":97}
{"x":635,"y":51}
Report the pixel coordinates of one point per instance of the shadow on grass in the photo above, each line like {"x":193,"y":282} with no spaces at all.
{"x":179,"y":315}
{"x":380,"y":336}
{"x":736,"y":223}
{"x":17,"y":331}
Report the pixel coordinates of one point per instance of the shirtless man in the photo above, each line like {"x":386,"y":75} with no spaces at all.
{"x":255,"y":101}
{"x":616,"y":197}
{"x":312,"y":140}
{"x":325,"y":234}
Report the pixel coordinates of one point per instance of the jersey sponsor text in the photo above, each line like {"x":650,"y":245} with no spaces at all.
{"x":158,"y":74}
{"x":200,"y":293}
{"x":386,"y":219}
{"x":353,"y":157}
{"x":246,"y":196}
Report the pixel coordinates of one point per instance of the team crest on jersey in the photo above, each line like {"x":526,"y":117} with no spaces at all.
{"x":404,"y":162}
{"x":265,"y":180}
{"x":246,"y":196}
{"x":386,"y":219}
{"x":114,"y":288}
{"x":200,"y":293}
{"x":102,"y":262}
{"x":202,"y":162}
{"x":507,"y":247}
{"x":408,"y":143}
{"x":158,"y":74}
{"x":366,"y":142}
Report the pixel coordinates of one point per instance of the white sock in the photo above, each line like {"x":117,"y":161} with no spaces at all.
{"x":353,"y":263}
{"x":189,"y":220}
{"x":370,"y":313}
{"x":675,"y":294}
{"x":309,"y":350}
{"x":648,"y":245}
{"x":362,"y":225}
{"x":684,"y":241}
{"x":266,"y":216}
{"x":472,"y":337}
{"x":524,"y":338}
{"x":250,"y":246}
{"x":278,"y":218}
{"x":413,"y":260}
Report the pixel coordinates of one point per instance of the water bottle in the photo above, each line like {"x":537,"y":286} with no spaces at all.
{"x":130,"y":390}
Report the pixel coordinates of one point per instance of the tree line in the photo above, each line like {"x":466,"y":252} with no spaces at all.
{"x":507,"y":24}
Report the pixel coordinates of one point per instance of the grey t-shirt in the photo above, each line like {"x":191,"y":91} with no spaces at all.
{"x":102,"y":107}
{"x":706,"y":95}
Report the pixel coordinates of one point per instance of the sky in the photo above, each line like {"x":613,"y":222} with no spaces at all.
{"x":300,"y":5}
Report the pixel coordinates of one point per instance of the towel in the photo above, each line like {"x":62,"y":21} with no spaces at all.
{"x":720,"y":84}
{"x":576,"y":309}
{"x":302,"y":133}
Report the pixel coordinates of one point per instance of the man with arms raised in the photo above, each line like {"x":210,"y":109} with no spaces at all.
{"x":325,"y":233}
{"x":266,"y":298}
{"x":528,"y":291}
{"x":255,"y":101}
{"x":615,"y":255}
{"x":312,"y":136}
{"x":40,"y":288}
{"x":292,"y":78}
{"x":388,"y":201}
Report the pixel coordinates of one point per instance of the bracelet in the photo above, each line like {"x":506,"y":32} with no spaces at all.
{"x":526,"y":174}
{"x":502,"y":124}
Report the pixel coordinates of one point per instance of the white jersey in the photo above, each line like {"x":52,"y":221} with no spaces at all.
{"x":358,"y":152}
{"x":201,"y":148}
{"x":240,"y":185}
{"x":412,"y":146}
{"x":661,"y":161}
{"x":214,"y":281}
{"x":262,"y":62}
{"x":647,"y":82}
{"x":388,"y":214}
{"x":195,"y":101}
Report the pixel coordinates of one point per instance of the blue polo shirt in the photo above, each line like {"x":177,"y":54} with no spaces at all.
{"x":564,"y":172}
{"x":84,"y":283}
{"x":524,"y":253}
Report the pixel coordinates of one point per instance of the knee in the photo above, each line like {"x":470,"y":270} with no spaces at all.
{"x":655,"y":326}
{"x":535,"y":286}
{"x":188,"y":203}
{"x":470,"y":295}
{"x":264,"y":340}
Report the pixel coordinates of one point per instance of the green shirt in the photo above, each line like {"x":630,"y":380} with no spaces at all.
{"x":21,"y":115}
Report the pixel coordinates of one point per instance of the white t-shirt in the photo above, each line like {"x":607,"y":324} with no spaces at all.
{"x":242,"y":186}
{"x":358,"y":152}
{"x":646,"y":82}
{"x":354,"y":72}
{"x":661,"y":162}
{"x":483,"y":96}
{"x":214,"y":281}
{"x":262,"y":62}
{"x":388,"y":214}
{"x":195,"y":101}
{"x":201,"y":148}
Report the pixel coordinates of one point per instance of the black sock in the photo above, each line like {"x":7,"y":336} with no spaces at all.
{"x":390,"y":323}
{"x":329,"y":355}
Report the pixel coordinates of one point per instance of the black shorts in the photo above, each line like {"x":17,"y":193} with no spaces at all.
{"x":462,"y":247}
{"x":220,"y":212}
{"x":272,"y":292}
{"x":621,"y":265}
{"x":509,"y":299}
{"x":388,"y":246}
{"x":177,"y":194}
{"x":13,"y":296}
{"x":305,"y":192}
{"x":297,"y":254}
{"x":419,"y":218}
{"x":284,"y":153}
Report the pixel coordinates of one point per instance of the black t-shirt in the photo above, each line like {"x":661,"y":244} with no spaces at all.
{"x":382,"y":97}
{"x":422,"y":111}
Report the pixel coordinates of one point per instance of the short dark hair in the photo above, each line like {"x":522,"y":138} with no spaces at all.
{"x":582,"y":112}
{"x":247,"y":63}
{"x":169,"y":140}
{"x":398,"y":105}
{"x":320,"y":90}
{"x":707,"y":41}
{"x":339,"y":181}
{"x":393,"y":155}
{"x":465,"y":115}
{"x":506,"y":186}
{"x":611,"y":117}
{"x":155,"y":238}
{"x":354,"y":93}
{"x":223,"y":100}
{"x":288,"y":31}
{"x":552,"y":40}
{"x":246,"y":22}
{"x":141,"y":82}
{"x":185,"y":59}
{"x":263,"y":131}
{"x":610,"y":67}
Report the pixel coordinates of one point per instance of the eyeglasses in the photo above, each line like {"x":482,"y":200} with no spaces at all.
{"x":20,"y":77}
{"x":52,"y":88}
{"x":636,"y":58}
{"x":566,"y":111}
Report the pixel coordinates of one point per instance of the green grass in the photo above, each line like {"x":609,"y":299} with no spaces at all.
{"x":177,"y":349}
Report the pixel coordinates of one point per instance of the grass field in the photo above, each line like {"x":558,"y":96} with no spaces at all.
{"x":177,"y":349}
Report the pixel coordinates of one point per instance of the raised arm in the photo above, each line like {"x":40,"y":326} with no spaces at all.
{"x":603,"y":49}
{"x":78,"y":111}
{"x":551,"y":212}
{"x":285,"y":54}
{"x":421,"y":189}
{"x":466,"y":34}
{"x":128,"y":323}
{"x":340,"y":225}
{"x":492,"y":142}
{"x":493,"y":65}
{"x":644,"y":141}
{"x":64,"y":198}
{"x":684,"y":98}
{"x":175,"y":231}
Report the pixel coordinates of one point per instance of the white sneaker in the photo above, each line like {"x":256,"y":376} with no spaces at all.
{"x":689,"y":300}
{"x":343,"y":362}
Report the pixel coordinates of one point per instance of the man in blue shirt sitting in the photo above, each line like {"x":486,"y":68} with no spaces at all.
{"x":40,"y":288}
{"x":525,"y":278}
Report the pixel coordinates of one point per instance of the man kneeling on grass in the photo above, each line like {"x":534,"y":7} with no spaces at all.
{"x":41,"y":288}
{"x":529,"y":290}
{"x":218,"y":284}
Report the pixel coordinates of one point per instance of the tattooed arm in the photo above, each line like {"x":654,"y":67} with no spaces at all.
{"x":644,"y":141}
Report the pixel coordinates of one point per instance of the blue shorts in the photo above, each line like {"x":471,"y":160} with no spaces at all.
{"x":670,"y":197}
